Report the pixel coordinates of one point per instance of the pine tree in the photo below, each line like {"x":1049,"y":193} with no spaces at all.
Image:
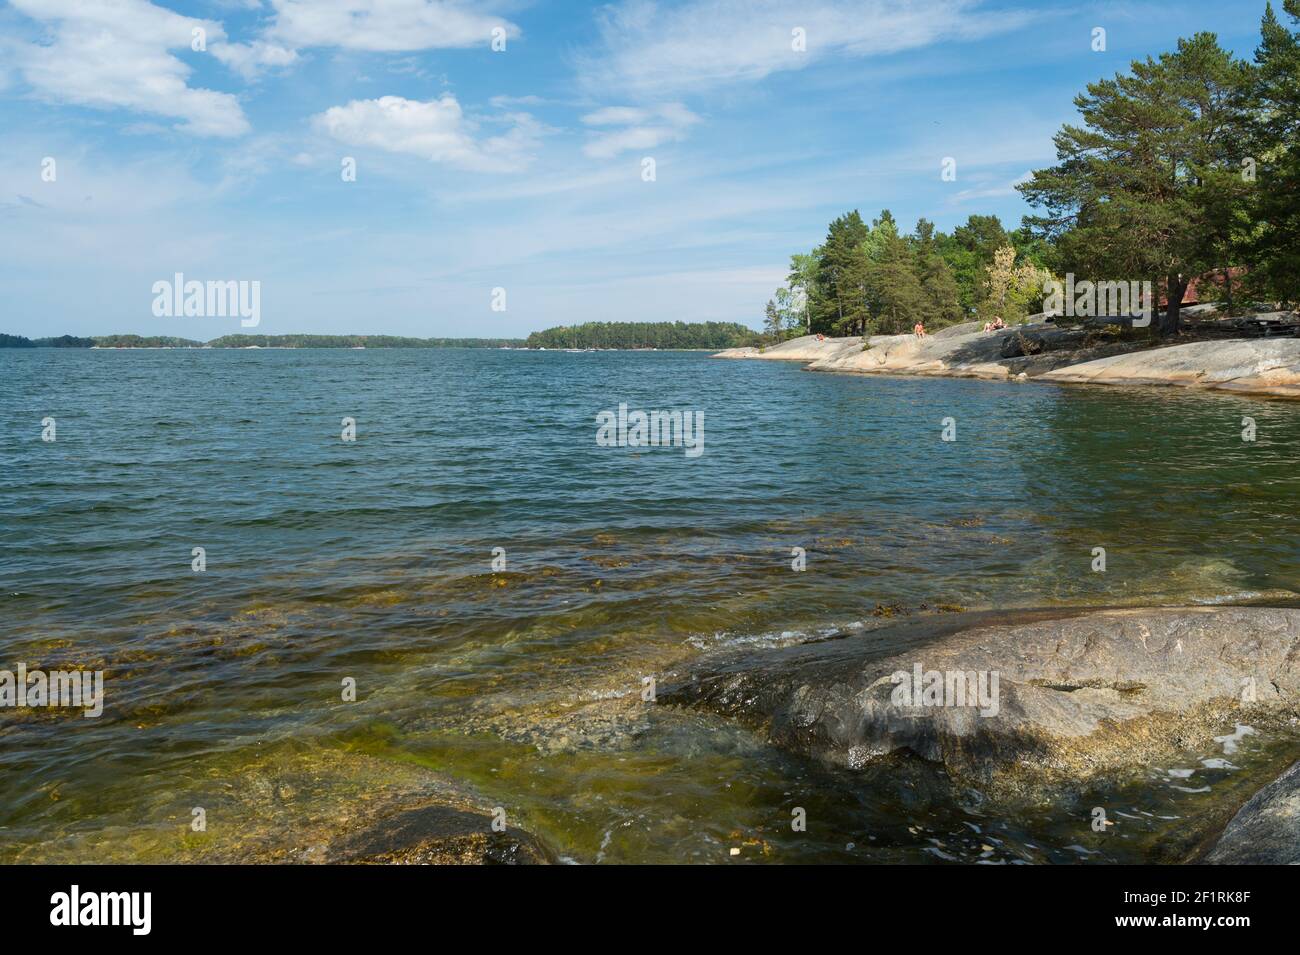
{"x":839,"y":306}
{"x":942,"y":294}
{"x":1147,"y":188}
{"x":894,"y":291}
{"x":1275,"y":247}
{"x":968,"y":253}
{"x":772,"y":321}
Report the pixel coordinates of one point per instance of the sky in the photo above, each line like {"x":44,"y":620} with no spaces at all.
{"x":631,"y":161}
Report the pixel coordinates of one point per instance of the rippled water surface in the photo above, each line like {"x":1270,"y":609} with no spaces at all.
{"x":372,"y":561}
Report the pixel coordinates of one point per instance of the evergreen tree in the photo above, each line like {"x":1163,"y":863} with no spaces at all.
{"x":839,"y":305}
{"x":968,"y":253}
{"x":942,"y":295}
{"x":1275,"y":246}
{"x":1147,"y":186}
{"x":897,"y":299}
{"x":772,"y":321}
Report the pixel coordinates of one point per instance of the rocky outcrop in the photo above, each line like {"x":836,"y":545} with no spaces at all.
{"x":1045,"y":697}
{"x":1265,"y":831}
{"x":1043,"y":350}
{"x":1260,"y":366}
{"x":807,"y":348}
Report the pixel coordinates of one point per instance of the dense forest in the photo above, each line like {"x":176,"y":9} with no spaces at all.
{"x":355,"y":341}
{"x":1184,"y":168}
{"x":63,"y":341}
{"x":711,"y":335}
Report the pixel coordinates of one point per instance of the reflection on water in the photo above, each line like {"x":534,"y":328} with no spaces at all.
{"x":372,"y":561}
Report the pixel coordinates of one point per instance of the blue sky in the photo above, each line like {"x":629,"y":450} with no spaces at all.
{"x":521,"y":168}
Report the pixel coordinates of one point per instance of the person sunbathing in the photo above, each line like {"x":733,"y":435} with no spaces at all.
{"x":996,"y":325}
{"x":918,"y":330}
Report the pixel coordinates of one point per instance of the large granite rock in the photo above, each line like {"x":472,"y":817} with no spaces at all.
{"x":806,"y":348}
{"x":1260,"y":366}
{"x":1066,"y":696}
{"x":1265,"y":831}
{"x":1053,"y":353}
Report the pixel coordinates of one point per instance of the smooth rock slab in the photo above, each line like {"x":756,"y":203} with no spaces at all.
{"x":1078,"y":693}
{"x":1268,"y":366}
{"x":1259,"y":366}
{"x":1265,"y":831}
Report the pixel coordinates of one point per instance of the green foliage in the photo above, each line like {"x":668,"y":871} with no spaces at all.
{"x":354,"y":341}
{"x":667,"y":335}
{"x":1149,"y":187}
{"x":938,"y":282}
{"x":1153,"y":185}
{"x":968,"y":253}
{"x":773,"y":323}
{"x":874,"y":279}
{"x":145,"y":341}
{"x":895,"y":297}
{"x":1274,"y":243}
{"x":64,"y":341}
{"x":838,"y":303}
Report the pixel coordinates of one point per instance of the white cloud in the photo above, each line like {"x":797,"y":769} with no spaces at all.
{"x":650,"y":49}
{"x":250,"y":59}
{"x":114,"y":53}
{"x":437,"y":130}
{"x":994,"y":191}
{"x":636,"y":127}
{"x":382,"y":25}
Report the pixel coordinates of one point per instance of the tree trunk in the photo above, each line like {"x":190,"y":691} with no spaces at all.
{"x":1176,"y":287}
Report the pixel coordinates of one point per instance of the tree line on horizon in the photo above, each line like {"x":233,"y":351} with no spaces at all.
{"x":666,"y":335}
{"x":1185,"y":168}
{"x":255,"y":341}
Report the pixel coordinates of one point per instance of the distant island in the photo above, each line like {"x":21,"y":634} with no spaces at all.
{"x":666,"y":335}
{"x":620,"y":335}
{"x":256,"y":341}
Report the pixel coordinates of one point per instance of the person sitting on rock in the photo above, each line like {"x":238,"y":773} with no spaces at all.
{"x":996,"y":325}
{"x":919,"y":330}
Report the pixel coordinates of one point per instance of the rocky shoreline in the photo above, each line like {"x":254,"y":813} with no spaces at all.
{"x":1055,"y":700}
{"x":1043,"y":351}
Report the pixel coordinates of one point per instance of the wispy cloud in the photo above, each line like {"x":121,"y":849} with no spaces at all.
{"x":630,"y":127}
{"x":250,"y":60}
{"x":652,"y":49}
{"x":383,"y":25}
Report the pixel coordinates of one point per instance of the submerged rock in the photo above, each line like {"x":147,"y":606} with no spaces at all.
{"x":1019,"y":701}
{"x":438,"y":835}
{"x":1265,"y":831}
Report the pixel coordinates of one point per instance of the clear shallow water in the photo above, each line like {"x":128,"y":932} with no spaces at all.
{"x":372,"y":560}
